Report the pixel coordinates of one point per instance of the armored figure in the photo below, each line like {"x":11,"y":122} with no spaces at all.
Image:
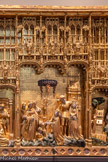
{"x":64,"y":108}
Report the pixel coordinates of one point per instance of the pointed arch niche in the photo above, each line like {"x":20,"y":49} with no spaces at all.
{"x":70,"y":84}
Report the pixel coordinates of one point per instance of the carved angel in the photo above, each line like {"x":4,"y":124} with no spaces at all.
{"x":77,"y":45}
{"x":29,"y":45}
{"x":101,"y":71}
{"x":5,"y":71}
{"x":86,"y":27}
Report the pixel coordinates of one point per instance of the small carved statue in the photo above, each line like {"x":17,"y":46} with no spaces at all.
{"x":64,"y":108}
{"x":75,"y":85}
{"x":29,"y":46}
{"x":53,"y":47}
{"x":5,"y":71}
{"x":23,"y":110}
{"x":30,"y":123}
{"x":4,"y":123}
{"x":74,"y":128}
{"x":56,"y":127}
{"x":77,"y":46}
{"x":101,"y":71}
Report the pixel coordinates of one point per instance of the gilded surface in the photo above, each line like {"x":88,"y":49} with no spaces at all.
{"x":54,"y":80}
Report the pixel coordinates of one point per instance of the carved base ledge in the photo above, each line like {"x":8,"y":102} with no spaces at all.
{"x":54,"y":151}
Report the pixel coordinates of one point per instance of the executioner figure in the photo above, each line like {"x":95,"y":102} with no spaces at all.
{"x":64,"y":108}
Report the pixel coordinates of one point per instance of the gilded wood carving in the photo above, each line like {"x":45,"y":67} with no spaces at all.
{"x":54,"y":81}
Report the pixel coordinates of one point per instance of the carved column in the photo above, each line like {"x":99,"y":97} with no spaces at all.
{"x":88,"y":95}
{"x":58,"y":42}
{"x":99,"y":62}
{"x":105,"y":41}
{"x":41,"y":32}
{"x":16,"y":33}
{"x":90,"y":36}
{"x":75,"y":33}
{"x":79,"y":110}
{"x":17,"y":111}
{"x":41,"y":47}
{"x":105,"y":55}
{"x":4,"y":55}
{"x":81,"y":34}
{"x":34,"y":36}
{"x":89,"y":118}
{"x":11,"y":118}
{"x":65,"y":35}
{"x":23,"y":43}
{"x":99,"y":31}
{"x":46,"y":39}
{"x":86,"y":107}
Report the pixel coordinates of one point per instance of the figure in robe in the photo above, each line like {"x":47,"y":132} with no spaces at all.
{"x":56,"y":127}
{"x":4,"y":118}
{"x":30,"y":123}
{"x":74,"y":130}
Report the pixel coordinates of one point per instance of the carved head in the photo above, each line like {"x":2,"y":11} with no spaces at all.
{"x":34,"y":104}
{"x":2,"y":107}
{"x":74,"y":104}
{"x":57,"y":113}
{"x":62,"y":99}
{"x":23,"y":106}
{"x":30,"y":106}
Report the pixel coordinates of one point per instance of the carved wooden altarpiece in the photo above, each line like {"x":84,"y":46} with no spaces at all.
{"x":53,"y":81}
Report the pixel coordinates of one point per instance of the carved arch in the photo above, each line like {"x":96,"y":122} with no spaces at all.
{"x":72,"y":29}
{"x":55,"y":29}
{"x":11,"y":86}
{"x":99,"y":87}
{"x":78,"y":29}
{"x":49,"y":29}
{"x":78,"y":62}
{"x":59,"y":65}
{"x":31,"y":29}
{"x":26,"y":29}
{"x":35,"y":65}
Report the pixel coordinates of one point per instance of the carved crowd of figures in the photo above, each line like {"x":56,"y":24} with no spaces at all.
{"x":63,"y":123}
